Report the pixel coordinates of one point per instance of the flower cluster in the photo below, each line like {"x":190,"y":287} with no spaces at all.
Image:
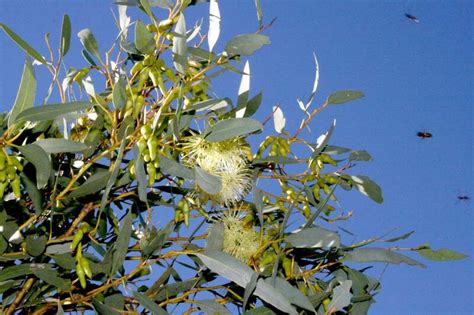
{"x":225,"y":159}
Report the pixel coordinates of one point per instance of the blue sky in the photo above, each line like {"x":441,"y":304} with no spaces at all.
{"x":416,"y":76}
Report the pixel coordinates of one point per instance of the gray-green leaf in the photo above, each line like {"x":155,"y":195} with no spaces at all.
{"x":341,"y":97}
{"x":380,"y":255}
{"x":22,"y":44}
{"x":49,"y":112}
{"x":26,"y":92}
{"x":442,"y":254}
{"x":368,"y":187}
{"x":231,"y":128}
{"x":211,"y":307}
{"x":246,"y":44}
{"x":144,"y":40}
{"x":65,"y":37}
{"x":341,"y":296}
{"x":211,"y":184}
{"x":173,"y":168}
{"x":56,"y":145}
{"x":89,"y":42}
{"x":314,"y":237}
{"x":119,"y":96}
{"x":92,"y":185}
{"x":40,"y":159}
{"x":180,"y":58}
{"x":149,"y":304}
{"x":121,"y":245}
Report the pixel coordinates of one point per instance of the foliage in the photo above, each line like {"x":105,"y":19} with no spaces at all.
{"x":150,"y":194}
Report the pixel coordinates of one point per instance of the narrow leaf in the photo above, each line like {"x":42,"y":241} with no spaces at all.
{"x":209,"y":183}
{"x":119,"y":96}
{"x":341,"y":296}
{"x":341,"y":97}
{"x":92,"y":185}
{"x":314,"y":237}
{"x":322,"y":140}
{"x":26,"y":92}
{"x":259,"y":12}
{"x":173,"y":168}
{"x":246,"y":44}
{"x":380,"y":255}
{"x":89,"y":42}
{"x":442,"y":254}
{"x":56,"y":145}
{"x":144,"y":40}
{"x":65,"y":38}
{"x":214,"y":24}
{"x":215,"y":237}
{"x":180,"y":58}
{"x":121,"y":245}
{"x":279,"y":120}
{"x":211,"y":307}
{"x":368,"y":187}
{"x":231,"y":128}
{"x":49,"y":112}
{"x":40,"y":159}
{"x":22,"y":44}
{"x":149,"y":304}
{"x":141,"y":176}
{"x":35,"y":195}
{"x":52,"y":277}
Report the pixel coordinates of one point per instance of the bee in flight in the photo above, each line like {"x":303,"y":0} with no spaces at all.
{"x":463,"y":198}
{"x":424,"y":134}
{"x":412,"y":18}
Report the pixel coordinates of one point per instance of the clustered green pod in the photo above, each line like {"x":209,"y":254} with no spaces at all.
{"x":183,"y":208}
{"x":278,"y":147}
{"x":10,"y":167}
{"x":149,"y":147}
{"x":83,"y":268}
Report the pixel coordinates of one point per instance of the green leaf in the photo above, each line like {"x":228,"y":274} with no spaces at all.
{"x":211,"y":307}
{"x":65,"y":38}
{"x":380,"y":255}
{"x":113,"y":173}
{"x":40,"y":159}
{"x":35,"y":195}
{"x":262,"y":310}
{"x":121,"y":245}
{"x":20,"y":270}
{"x":249,"y":289}
{"x":140,"y":176}
{"x":92,"y":185}
{"x":149,"y":304}
{"x":215,"y":237}
{"x":173,"y":168}
{"x":119,"y":96}
{"x":35,"y":245}
{"x":22,"y":44}
{"x":26,"y":92}
{"x":144,"y":40}
{"x":246,"y":44}
{"x":236,"y":271}
{"x":49,"y":112}
{"x":341,"y":97}
{"x":173,"y":289}
{"x":146,"y":7}
{"x":360,"y":155}
{"x":153,"y":247}
{"x":103,"y":309}
{"x":88,"y":58}
{"x":231,"y":128}
{"x":258,"y":7}
{"x":180,"y":58}
{"x":314,"y":237}
{"x":52,"y":277}
{"x":209,"y":183}
{"x":212,"y":104}
{"x":341,"y":296}
{"x":253,"y":105}
{"x":276,"y":159}
{"x":56,"y":145}
{"x":442,"y":254}
{"x":292,"y":294}
{"x":89,"y":42}
{"x":368,"y":187}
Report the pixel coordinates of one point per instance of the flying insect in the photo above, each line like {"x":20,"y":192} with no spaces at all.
{"x":424,"y":134}
{"x":412,"y":18}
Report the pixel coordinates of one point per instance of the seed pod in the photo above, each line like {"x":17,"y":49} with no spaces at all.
{"x":86,"y":266}
{"x":268,"y":258}
{"x":327,"y":159}
{"x":77,"y":238}
{"x":165,"y":24}
{"x":146,"y":131}
{"x":139,"y":101}
{"x":152,"y":144}
{"x":16,"y":163}
{"x":178,"y":215}
{"x":3,"y":176}
{"x":3,"y":160}
{"x":11,"y":172}
{"x":306,"y":211}
{"x":287,"y":266}
{"x":186,"y":214}
{"x":85,"y":227}
{"x":3,"y":186}
{"x":331,"y":180}
{"x":151,"y":170}
{"x":16,"y":187}
{"x":136,"y":67}
{"x":81,"y":274}
{"x":316,"y":192}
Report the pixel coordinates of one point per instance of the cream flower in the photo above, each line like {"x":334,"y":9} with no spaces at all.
{"x":239,"y":241}
{"x":225,"y":159}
